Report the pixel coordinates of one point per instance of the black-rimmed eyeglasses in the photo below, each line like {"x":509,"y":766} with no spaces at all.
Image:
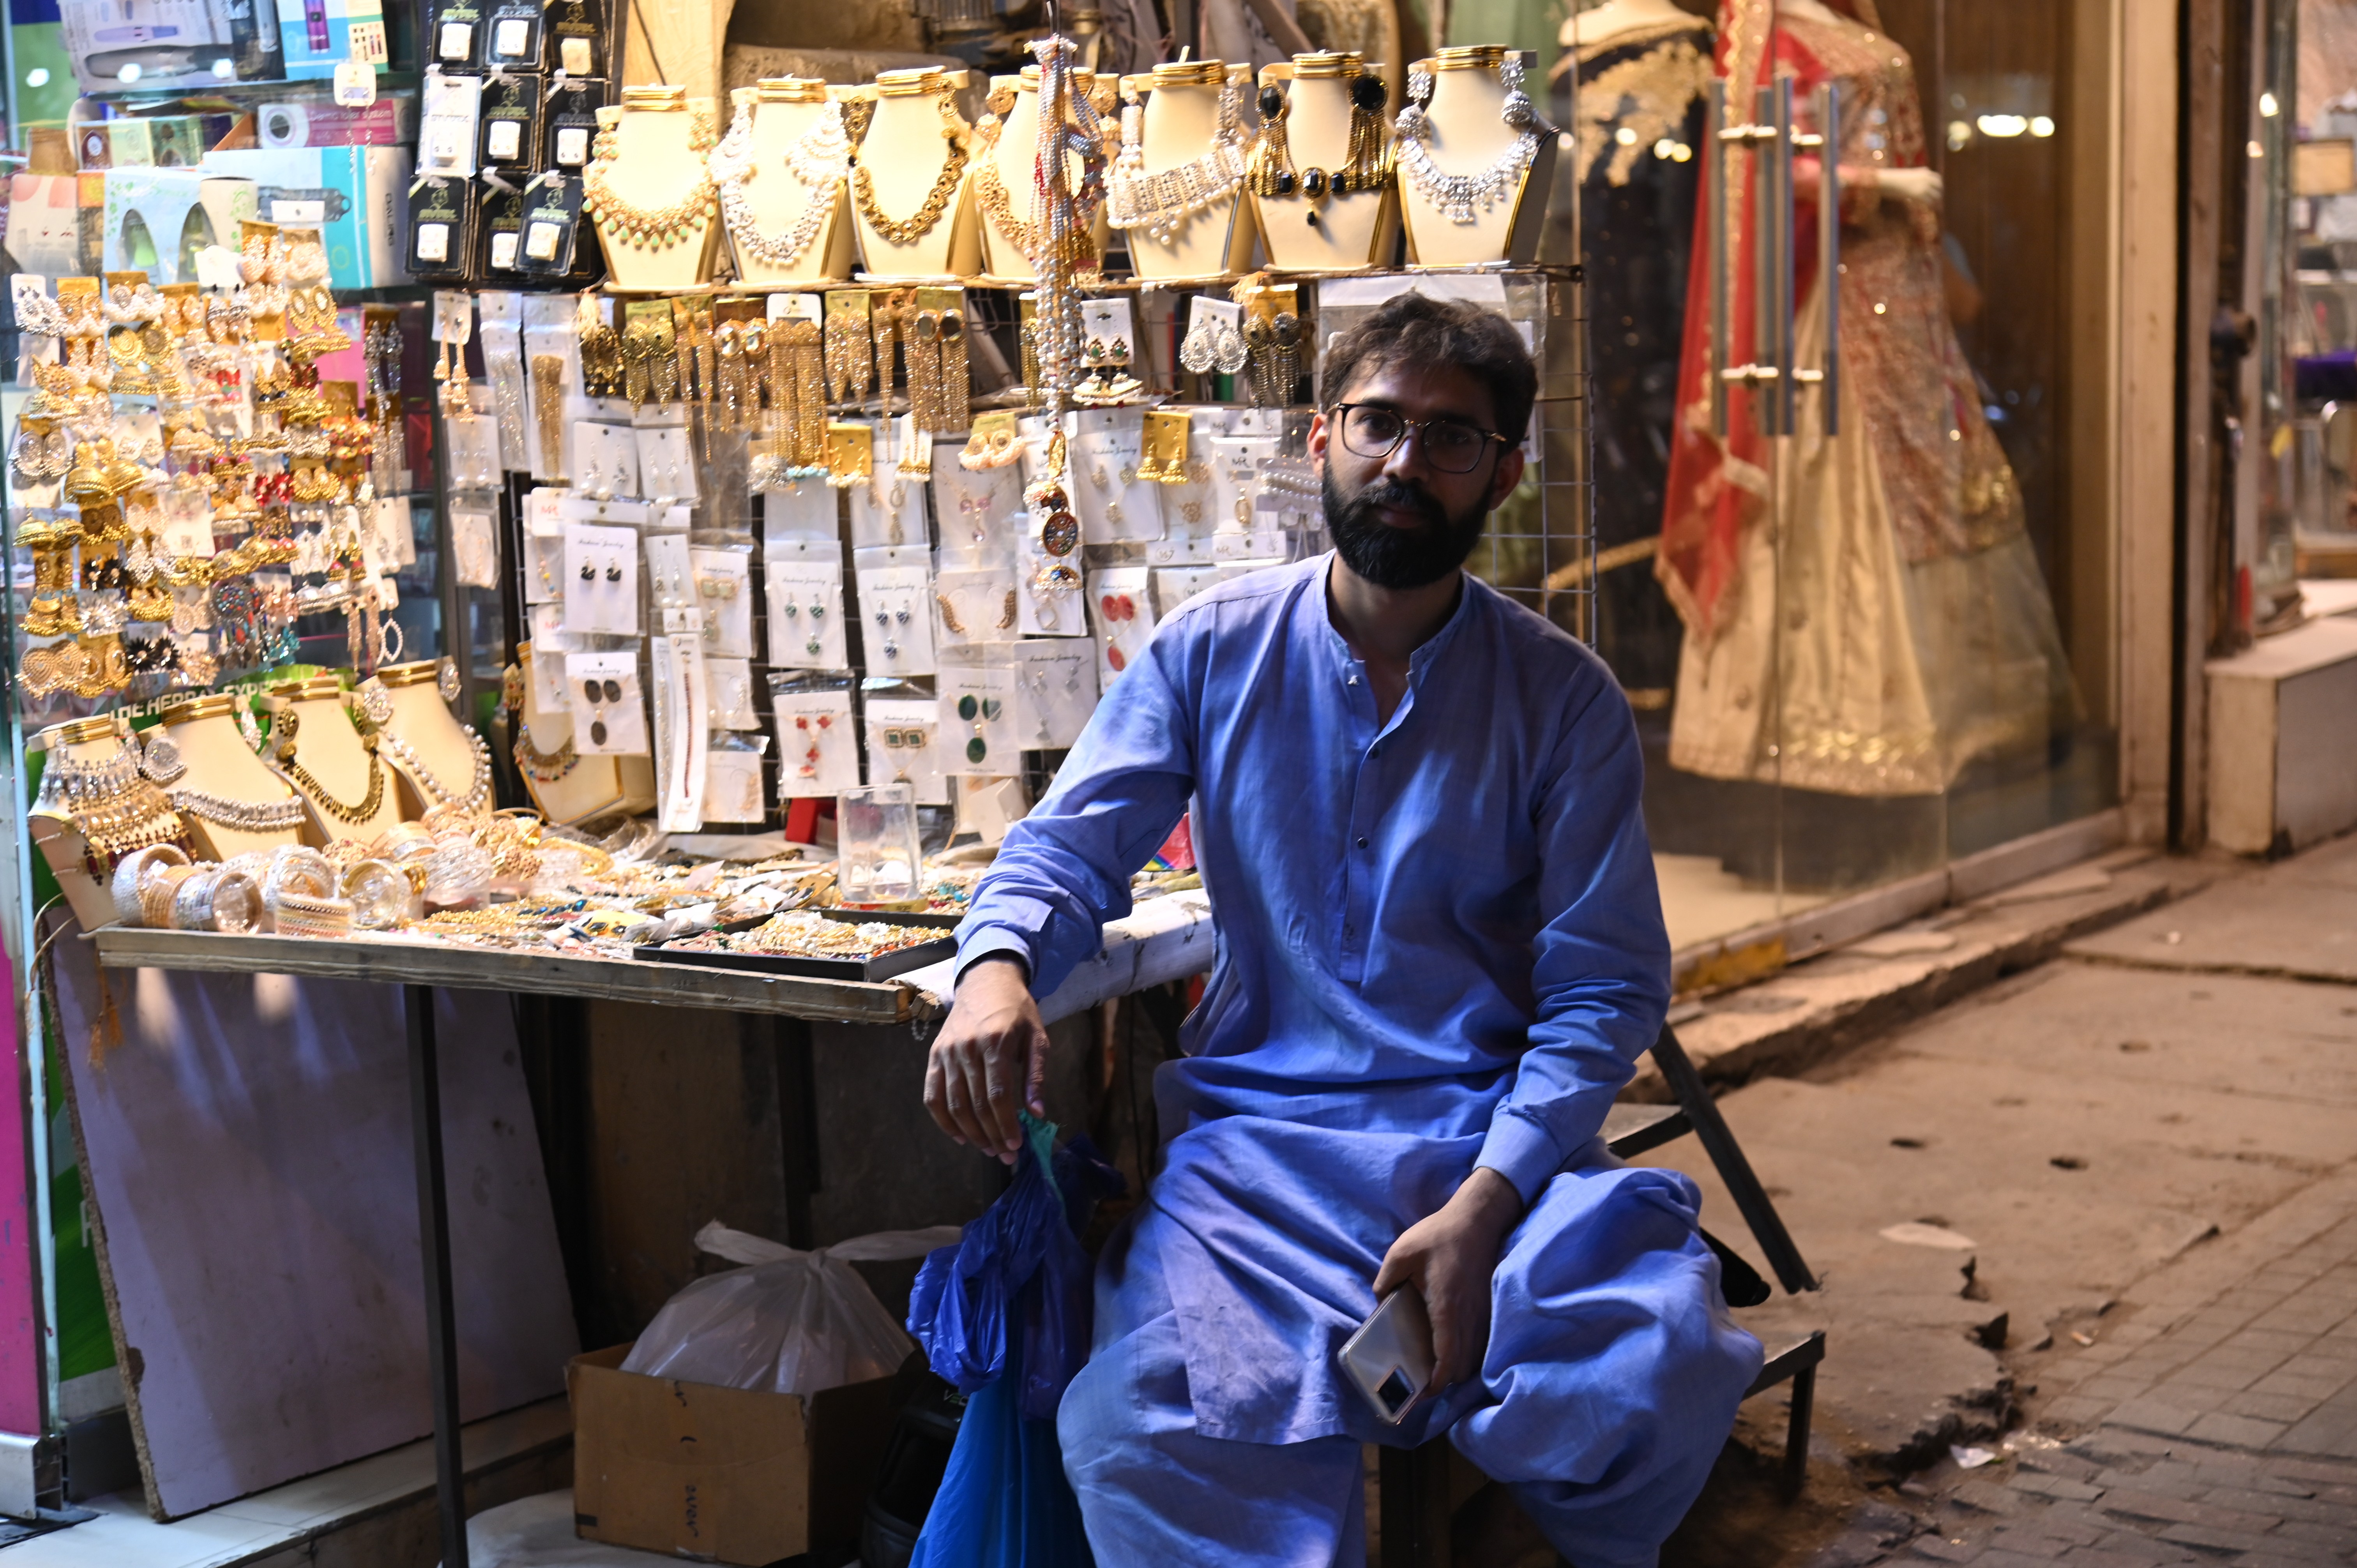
{"x":1450,"y":444}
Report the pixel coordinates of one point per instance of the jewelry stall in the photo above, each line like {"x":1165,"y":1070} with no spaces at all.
{"x":785,"y":502}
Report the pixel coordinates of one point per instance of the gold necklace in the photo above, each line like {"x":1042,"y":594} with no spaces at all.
{"x":356,"y":815}
{"x":937,"y":200}
{"x":663,"y":227}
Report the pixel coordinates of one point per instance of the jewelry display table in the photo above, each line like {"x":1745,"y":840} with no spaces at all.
{"x":1166,"y":939}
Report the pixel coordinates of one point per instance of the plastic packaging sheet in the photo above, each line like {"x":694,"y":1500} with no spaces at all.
{"x":789,"y":1322}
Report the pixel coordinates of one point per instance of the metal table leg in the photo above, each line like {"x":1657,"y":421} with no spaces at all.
{"x":434,"y":1253}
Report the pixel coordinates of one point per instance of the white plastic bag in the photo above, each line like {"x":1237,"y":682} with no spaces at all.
{"x":790,"y":1323}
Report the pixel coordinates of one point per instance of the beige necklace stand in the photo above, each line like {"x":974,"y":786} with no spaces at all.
{"x":784,"y":108}
{"x":658,"y":133}
{"x":219,"y":764}
{"x":1468,"y":136}
{"x":1354,"y":231}
{"x":62,"y":845}
{"x":904,"y":153}
{"x":328,"y":748}
{"x":1015,"y":157}
{"x":1182,"y":123}
{"x":592,"y":787}
{"x":422,"y":722}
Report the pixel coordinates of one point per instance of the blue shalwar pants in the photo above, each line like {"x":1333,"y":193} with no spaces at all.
{"x":1608,"y":1386}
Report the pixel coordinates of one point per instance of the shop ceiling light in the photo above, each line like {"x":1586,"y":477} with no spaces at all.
{"x":2003,"y":124}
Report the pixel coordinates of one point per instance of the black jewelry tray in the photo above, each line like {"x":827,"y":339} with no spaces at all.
{"x":883,"y":966}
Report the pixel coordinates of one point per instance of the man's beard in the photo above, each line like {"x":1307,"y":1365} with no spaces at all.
{"x":1392,"y":557}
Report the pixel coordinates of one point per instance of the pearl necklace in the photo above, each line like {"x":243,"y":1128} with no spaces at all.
{"x":478,"y":788}
{"x":1458,"y":195}
{"x":1159,"y":203}
{"x":820,"y":158}
{"x":245,"y":816}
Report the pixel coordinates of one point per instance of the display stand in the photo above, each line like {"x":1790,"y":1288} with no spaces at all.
{"x":437,"y":760}
{"x":1468,"y":135}
{"x":63,"y":846}
{"x":222,"y":767}
{"x":782,"y":110}
{"x":1180,"y":121}
{"x":350,"y":793}
{"x":912,"y":134}
{"x":1359,"y":230}
{"x":566,"y":786}
{"x":658,"y":135}
{"x":1013,"y":157}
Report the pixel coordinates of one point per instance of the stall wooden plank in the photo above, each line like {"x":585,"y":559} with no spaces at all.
{"x":246,"y":1140}
{"x":395,"y":962}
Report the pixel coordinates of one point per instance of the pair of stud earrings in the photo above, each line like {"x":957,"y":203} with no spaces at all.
{"x":613,"y":571}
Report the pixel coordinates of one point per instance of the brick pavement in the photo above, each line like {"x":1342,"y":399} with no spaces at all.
{"x":2219,"y":1425}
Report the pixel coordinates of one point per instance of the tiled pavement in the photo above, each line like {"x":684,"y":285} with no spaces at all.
{"x":2220,"y":1421}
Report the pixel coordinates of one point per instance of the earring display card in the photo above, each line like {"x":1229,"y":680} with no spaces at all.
{"x":889,"y":510}
{"x":896,"y":624}
{"x":543,"y":582}
{"x":1121,"y":604}
{"x":605,"y":460}
{"x":903,"y":735}
{"x":474,"y":549}
{"x":1215,"y":337}
{"x":723,"y":580}
{"x":728,"y":697}
{"x":454,"y":30}
{"x":1046,"y":595}
{"x":670,"y":582}
{"x":473,"y":452}
{"x":1174,"y":585}
{"x":800,"y":512}
{"x":979,"y":734}
{"x":1116,"y":505}
{"x":806,"y":616}
{"x":601,"y":580}
{"x":1235,"y":479}
{"x":817,"y":753}
{"x":980,"y":508}
{"x":976,"y":606}
{"x":450,"y":119}
{"x":1056,"y":690}
{"x":666,"y":464}
{"x":609,"y":711}
{"x":569,"y":122}
{"x":732,"y":787}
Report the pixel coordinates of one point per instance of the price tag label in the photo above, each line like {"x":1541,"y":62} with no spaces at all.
{"x":298,"y":214}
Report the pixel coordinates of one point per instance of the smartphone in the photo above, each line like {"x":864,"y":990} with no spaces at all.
{"x":1389,"y":1360}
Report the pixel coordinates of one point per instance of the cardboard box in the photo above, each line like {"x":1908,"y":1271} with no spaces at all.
{"x":720,"y":1474}
{"x":158,"y":218}
{"x":54,"y":223}
{"x":356,"y":196}
{"x":115,"y":44}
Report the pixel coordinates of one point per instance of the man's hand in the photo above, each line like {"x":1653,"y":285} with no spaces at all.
{"x":1449,"y":1257}
{"x":989,"y":1059}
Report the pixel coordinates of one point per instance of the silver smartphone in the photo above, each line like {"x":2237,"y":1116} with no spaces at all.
{"x":1389,"y":1360}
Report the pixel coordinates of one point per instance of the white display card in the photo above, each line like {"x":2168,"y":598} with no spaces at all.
{"x":979,"y":733}
{"x":889,"y":510}
{"x":724,"y":589}
{"x":601,"y":580}
{"x":817,"y":753}
{"x":1121,"y":606}
{"x":896,"y":620}
{"x":732,"y":786}
{"x":1056,"y":690}
{"x":904,"y":746}
{"x":728,"y":695}
{"x":976,"y":606}
{"x":806,"y":613}
{"x":613,"y":722}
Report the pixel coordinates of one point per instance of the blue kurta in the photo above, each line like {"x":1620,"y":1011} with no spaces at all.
{"x":1440,"y":945}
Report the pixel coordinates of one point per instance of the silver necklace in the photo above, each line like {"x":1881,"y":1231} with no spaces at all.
{"x":479,"y":789}
{"x":1159,"y":203}
{"x":818,"y":159}
{"x":1462,"y":197}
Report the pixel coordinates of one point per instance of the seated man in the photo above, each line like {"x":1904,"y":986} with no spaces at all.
{"x":1441,"y":951}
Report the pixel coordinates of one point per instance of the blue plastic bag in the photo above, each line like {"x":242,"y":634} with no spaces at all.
{"x":1004,"y":1316}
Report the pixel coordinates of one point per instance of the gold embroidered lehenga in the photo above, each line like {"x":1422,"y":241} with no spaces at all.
{"x":1895,"y":626}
